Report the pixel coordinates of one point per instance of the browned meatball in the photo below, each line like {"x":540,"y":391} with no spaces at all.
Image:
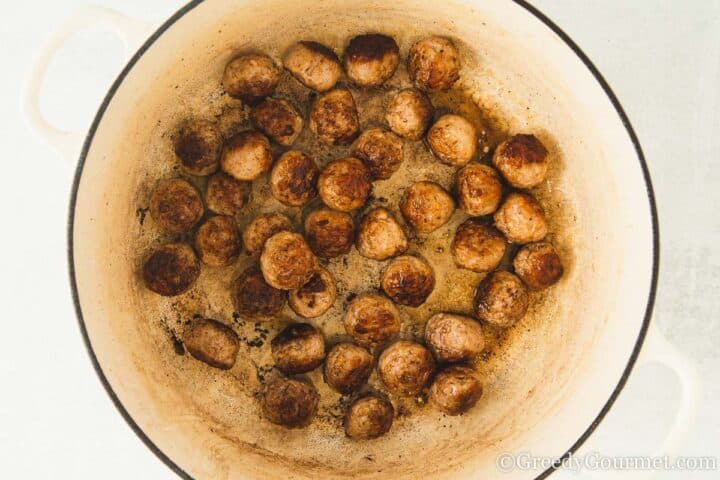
{"x":298,"y":348}
{"x":369,"y":417}
{"x":382,"y":152}
{"x":371,"y":59}
{"x":522,"y":160}
{"x":171,"y":269}
{"x":278,"y":119}
{"x":344,"y":184}
{"x":246,"y":156}
{"x":334,"y":117}
{"x":293,"y":180}
{"x":329,"y":233}
{"x":408,"y":280}
{"x":501,"y":299}
{"x":217,"y":241}
{"x":479,"y":189}
{"x":427,"y":206}
{"x":371,"y":319}
{"x":521,"y":218}
{"x":287,"y":261}
{"x":225,"y":195}
{"x":405,"y":368}
{"x":409,"y":113}
{"x":314,"y":65}
{"x":316,"y":296}
{"x":433,"y":64}
{"x":347,"y":367}
{"x":380,"y":236}
{"x":477,"y":246}
{"x":538,"y":265}
{"x":197,"y":145}
{"x":175,"y":205}
{"x":250,"y":77}
{"x":456,"y":389}
{"x":453,"y":140}
{"x":212,"y":342}
{"x":263,"y":227}
{"x":289,"y":402}
{"x":454,"y":338}
{"x":254,"y":299}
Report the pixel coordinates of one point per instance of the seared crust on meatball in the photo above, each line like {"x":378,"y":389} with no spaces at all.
{"x":316,"y":296}
{"x":427,"y":206}
{"x":479,"y":189}
{"x":313,"y":64}
{"x":298,"y":348}
{"x":522,"y":160}
{"x":453,"y":140}
{"x":521,"y":218}
{"x":347,"y":367}
{"x":250,"y":77}
{"x":381,"y":150}
{"x":217,"y":241}
{"x":171,"y":269}
{"x":344,"y":184}
{"x":197,"y":145}
{"x":334,"y":117}
{"x":263,"y":227}
{"x":371,"y":319}
{"x":254,"y":299}
{"x":212,"y":342}
{"x":408,"y":280}
{"x":329,"y":233}
{"x":456,"y":389}
{"x":287,"y":261}
{"x":293,"y":179}
{"x":501,"y":299}
{"x":538,"y":265}
{"x":369,"y":417}
{"x":246,"y":155}
{"x":371,"y":59}
{"x":289,"y":402}
{"x":380,"y":236}
{"x":409,"y":113}
{"x":454,"y":338}
{"x":477,"y":246}
{"x":278,"y":119}
{"x":226,"y":196}
{"x":405,"y":368}
{"x":433,"y":64}
{"x":175,"y":205}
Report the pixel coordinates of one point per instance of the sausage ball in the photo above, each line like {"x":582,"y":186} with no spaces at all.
{"x":314,"y":65}
{"x":175,"y":205}
{"x":347,"y":367}
{"x":293,"y":179}
{"x":278,"y":119}
{"x":334,"y":117}
{"x":427,"y":206}
{"x":369,"y":417}
{"x":171,"y":269}
{"x":538,"y":265}
{"x":212,"y":342}
{"x":250,"y":77}
{"x":246,"y":156}
{"x":254,"y":299}
{"x":521,"y":218}
{"x":405,"y":368}
{"x":286,"y":261}
{"x":371,"y":59}
{"x":289,"y":402}
{"x":371,"y":319}
{"x":263,"y":227}
{"x":217,"y":241}
{"x":380,"y":236}
{"x":453,"y":140}
{"x":344,"y":184}
{"x":456,"y":389}
{"x":433,"y":64}
{"x":501,"y":299}
{"x":477,"y":246}
{"x":454,"y":338}
{"x":298,"y":348}
{"x":408,"y":280}
{"x":409,"y":113}
{"x":522,"y":160}
{"x":382,"y":152}
{"x":479,"y":189}
{"x":226,"y":196}
{"x":316,"y":296}
{"x":197,"y":145}
{"x":329,"y":233}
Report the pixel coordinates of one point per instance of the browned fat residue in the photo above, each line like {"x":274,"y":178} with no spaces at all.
{"x":370,"y":47}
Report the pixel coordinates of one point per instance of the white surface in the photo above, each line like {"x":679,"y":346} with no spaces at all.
{"x":661,"y":58}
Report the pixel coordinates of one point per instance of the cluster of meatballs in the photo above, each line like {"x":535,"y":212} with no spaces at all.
{"x":288,"y":268}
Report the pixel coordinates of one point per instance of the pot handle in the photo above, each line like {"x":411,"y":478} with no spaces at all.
{"x":131,"y":31}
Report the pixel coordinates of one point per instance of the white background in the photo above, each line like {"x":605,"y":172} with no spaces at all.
{"x":661,"y":57}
